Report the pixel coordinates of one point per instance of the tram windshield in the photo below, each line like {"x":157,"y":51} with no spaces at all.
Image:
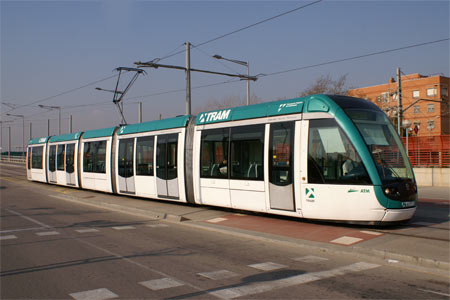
{"x":384,"y":144}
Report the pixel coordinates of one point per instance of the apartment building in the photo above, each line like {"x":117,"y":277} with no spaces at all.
{"x":425,"y":102}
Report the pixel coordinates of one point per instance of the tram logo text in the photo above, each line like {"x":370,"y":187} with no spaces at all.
{"x":215,"y":116}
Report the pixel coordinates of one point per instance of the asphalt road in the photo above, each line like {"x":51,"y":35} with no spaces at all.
{"x":55,"y":249}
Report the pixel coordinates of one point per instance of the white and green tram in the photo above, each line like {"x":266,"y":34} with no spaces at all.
{"x":319,"y":157}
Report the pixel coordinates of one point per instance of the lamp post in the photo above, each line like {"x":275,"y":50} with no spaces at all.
{"x":1,"y":134}
{"x":59,"y":114}
{"x":23,"y":129}
{"x":242,"y":63}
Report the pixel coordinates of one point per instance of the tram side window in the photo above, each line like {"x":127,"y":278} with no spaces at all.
{"x":247,"y":152}
{"x":144,"y":156}
{"x":29,"y":158}
{"x":332,"y":159}
{"x":60,"y":157}
{"x":52,"y":159}
{"x":214,"y":153}
{"x":36,"y":157}
{"x":94,"y":157}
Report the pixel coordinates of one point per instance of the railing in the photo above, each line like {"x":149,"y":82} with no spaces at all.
{"x":425,"y":152}
{"x":13,"y":159}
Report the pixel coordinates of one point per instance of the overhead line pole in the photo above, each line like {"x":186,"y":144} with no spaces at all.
{"x":188,"y":78}
{"x":188,"y":70}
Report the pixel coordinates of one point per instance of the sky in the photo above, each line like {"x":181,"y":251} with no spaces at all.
{"x":56,"y":53}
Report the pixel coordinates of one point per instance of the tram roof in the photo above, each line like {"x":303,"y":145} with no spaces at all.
{"x":267,"y":109}
{"x":96,"y":133}
{"x":65,"y":137}
{"x":180,"y":121}
{"x":41,"y":140}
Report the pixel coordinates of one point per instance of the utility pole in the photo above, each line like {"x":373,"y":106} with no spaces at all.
{"x":400,"y":105}
{"x":70,"y":124}
{"x":48,"y":127}
{"x":9,"y":144}
{"x":188,"y":78}
{"x":140,"y":112}
{"x":188,"y":70}
{"x":31,"y":130}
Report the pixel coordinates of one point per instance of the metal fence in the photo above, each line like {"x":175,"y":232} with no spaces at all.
{"x":429,"y":151}
{"x":13,"y":159}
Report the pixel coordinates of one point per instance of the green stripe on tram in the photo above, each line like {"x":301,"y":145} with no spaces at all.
{"x":65,"y":137}
{"x":104,"y":132}
{"x":180,"y":121}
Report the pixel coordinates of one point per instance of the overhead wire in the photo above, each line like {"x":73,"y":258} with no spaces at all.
{"x":352,"y":58}
{"x":62,"y":93}
{"x":243,"y":28}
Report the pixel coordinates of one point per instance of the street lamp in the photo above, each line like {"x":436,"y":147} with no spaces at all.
{"x":59,"y":114}
{"x":406,"y":124}
{"x":242,"y":63}
{"x":23,"y":129}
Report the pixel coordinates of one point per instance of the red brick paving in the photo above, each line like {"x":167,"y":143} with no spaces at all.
{"x":293,"y":228}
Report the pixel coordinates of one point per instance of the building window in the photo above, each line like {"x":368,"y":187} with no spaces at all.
{"x":431,"y":92}
{"x":385,"y":97}
{"x":430,"y":108}
{"x":416,"y":109}
{"x":94,"y":157}
{"x":430,"y":125}
{"x":144,"y":156}
{"x":444,"y":91}
{"x":416,"y":94}
{"x":378,"y":98}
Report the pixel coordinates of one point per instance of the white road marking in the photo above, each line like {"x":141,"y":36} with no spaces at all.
{"x":160,"y":284}
{"x":45,"y":233}
{"x":157,"y":225}
{"x":217,"y":220}
{"x":23,"y":229}
{"x":146,"y":267}
{"x":267,"y":266}
{"x":123,"y":227}
{"x":310,"y":259}
{"x":371,"y":232}
{"x":346,"y":240}
{"x":98,"y":294}
{"x":8,"y":237}
{"x":27,"y":218}
{"x":86,"y":230}
{"x":434,"y":292}
{"x":260,"y":287}
{"x":218,"y":275}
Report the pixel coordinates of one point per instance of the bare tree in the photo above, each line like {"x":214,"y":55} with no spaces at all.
{"x":326,"y":85}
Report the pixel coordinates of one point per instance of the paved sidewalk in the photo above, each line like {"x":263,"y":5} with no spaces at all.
{"x":422,"y":242}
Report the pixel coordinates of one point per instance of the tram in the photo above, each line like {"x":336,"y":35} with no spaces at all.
{"x":322,"y":157}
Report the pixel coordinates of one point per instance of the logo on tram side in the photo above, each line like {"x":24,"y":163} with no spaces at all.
{"x":309,"y":192}
{"x":288,"y":105}
{"x":214,"y":116}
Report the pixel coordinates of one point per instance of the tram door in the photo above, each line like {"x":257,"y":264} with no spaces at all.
{"x":126,"y":161}
{"x":281,"y":166}
{"x":52,"y":164}
{"x":166,"y":166}
{"x":70,"y":164}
